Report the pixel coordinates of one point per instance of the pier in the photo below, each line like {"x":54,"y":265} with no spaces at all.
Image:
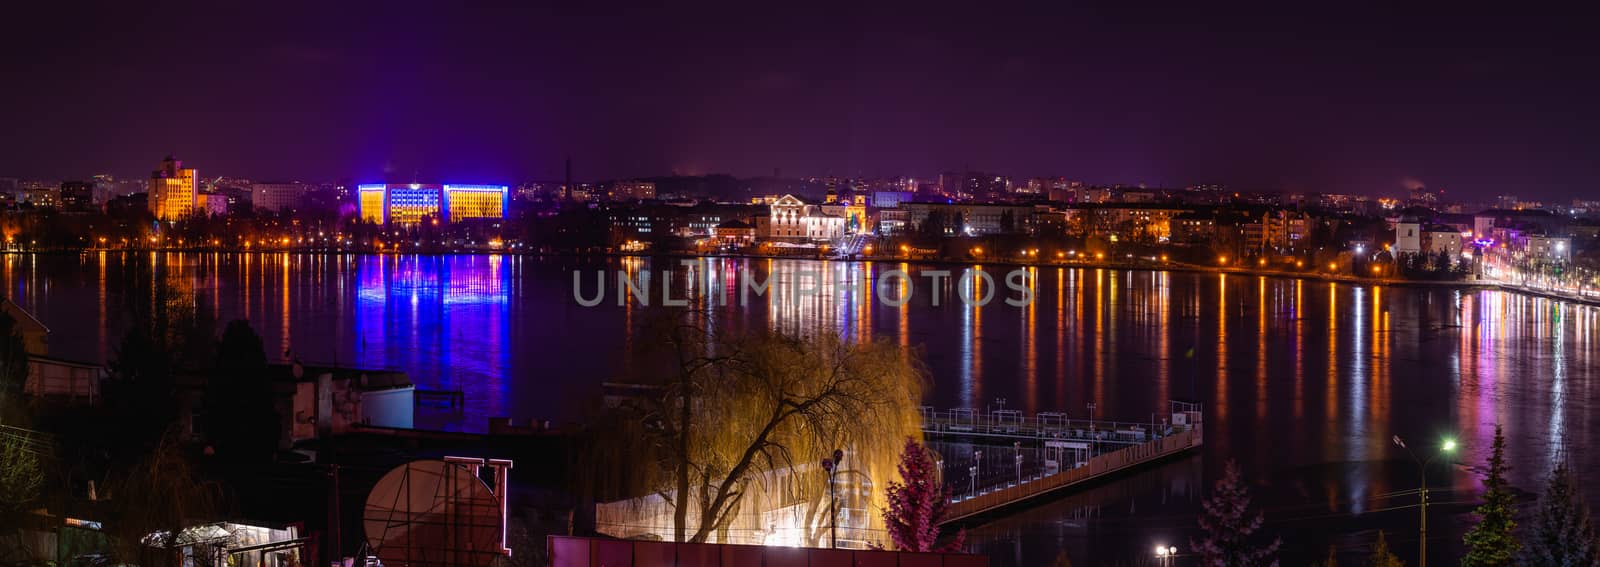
{"x":1064,"y":452}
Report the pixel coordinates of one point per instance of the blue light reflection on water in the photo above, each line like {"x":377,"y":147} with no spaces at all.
{"x":444,"y":319}
{"x":1321,"y":373}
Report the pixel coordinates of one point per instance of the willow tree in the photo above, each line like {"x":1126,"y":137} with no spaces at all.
{"x":733,"y":411}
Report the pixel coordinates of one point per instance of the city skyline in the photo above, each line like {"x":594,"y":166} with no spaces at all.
{"x":1351,"y":101}
{"x":706,"y":284}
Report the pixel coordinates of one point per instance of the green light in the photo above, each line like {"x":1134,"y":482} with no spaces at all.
{"x":1449,"y":445}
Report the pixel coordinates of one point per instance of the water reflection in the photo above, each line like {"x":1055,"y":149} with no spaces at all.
{"x":1303,"y":381}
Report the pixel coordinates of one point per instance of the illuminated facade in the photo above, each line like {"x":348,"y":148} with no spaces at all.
{"x":172,"y":190}
{"x":467,"y":202}
{"x":792,"y":219}
{"x":412,"y":203}
{"x":369,"y":201}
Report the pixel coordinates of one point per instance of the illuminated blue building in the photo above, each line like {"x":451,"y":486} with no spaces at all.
{"x":411,"y":203}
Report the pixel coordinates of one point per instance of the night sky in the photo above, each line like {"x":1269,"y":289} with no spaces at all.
{"x":1282,"y":98}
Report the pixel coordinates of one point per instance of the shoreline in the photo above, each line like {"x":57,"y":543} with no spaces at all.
{"x":1141,"y":266}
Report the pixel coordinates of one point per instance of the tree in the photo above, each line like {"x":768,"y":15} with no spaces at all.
{"x":734,"y":413}
{"x":1331,"y":561}
{"x":142,"y":393}
{"x":242,"y":421}
{"x":155,"y":502}
{"x":21,"y":478}
{"x":1228,"y":526}
{"x":1491,"y":543}
{"x":21,"y":484}
{"x":1563,"y":534}
{"x":1062,"y":560}
{"x":13,"y":365}
{"x":917,"y":504}
{"x":1381,"y":556}
{"x":933,"y":226}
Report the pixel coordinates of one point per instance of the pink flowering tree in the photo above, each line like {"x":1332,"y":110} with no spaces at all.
{"x":917,"y":504}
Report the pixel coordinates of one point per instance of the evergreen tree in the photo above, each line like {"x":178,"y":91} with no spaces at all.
{"x":142,"y":394}
{"x":242,"y":421}
{"x":1381,"y":556}
{"x":917,"y":503}
{"x":1562,"y":534}
{"x":1228,"y":526}
{"x":1490,"y":542}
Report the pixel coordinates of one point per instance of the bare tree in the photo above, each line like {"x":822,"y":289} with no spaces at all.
{"x":156,"y":502}
{"x":21,"y":485}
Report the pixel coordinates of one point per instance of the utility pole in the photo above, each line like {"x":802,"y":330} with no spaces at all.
{"x":1448,"y":446}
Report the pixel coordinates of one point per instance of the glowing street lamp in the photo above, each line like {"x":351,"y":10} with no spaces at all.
{"x":1165,"y":554}
{"x":1447,"y":446}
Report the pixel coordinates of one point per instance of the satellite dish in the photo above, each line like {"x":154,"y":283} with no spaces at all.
{"x":433,"y":513}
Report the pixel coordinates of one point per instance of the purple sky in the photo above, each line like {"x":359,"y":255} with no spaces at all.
{"x":1355,"y":100}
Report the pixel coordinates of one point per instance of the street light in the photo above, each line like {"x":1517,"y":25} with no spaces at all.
{"x":832,"y":467}
{"x":1165,"y":554}
{"x":1016,"y":446}
{"x":977,"y":468}
{"x":1446,"y":446}
{"x":1093,"y":437}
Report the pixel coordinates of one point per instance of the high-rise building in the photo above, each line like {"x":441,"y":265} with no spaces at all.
{"x":468,"y":202}
{"x":172,"y":190}
{"x":633,"y":190}
{"x":45,"y":197}
{"x":77,"y":195}
{"x":105,"y":186}
{"x":411,"y":203}
{"x":210,"y":204}
{"x":277,"y":197}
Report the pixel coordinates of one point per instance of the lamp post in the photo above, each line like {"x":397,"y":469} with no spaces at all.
{"x":1165,"y":554}
{"x":1447,"y":446}
{"x":831,"y":465}
{"x":977,"y":468}
{"x":1094,"y":437}
{"x":1016,"y":447}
